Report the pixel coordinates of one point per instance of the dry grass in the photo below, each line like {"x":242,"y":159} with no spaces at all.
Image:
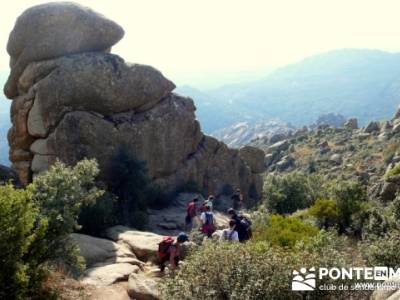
{"x":65,"y":286}
{"x":303,"y":153}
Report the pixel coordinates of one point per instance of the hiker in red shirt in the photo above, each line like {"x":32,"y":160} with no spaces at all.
{"x":191,"y":212}
{"x":169,"y":250}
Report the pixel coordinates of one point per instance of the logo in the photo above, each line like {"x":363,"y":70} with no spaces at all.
{"x":303,"y":280}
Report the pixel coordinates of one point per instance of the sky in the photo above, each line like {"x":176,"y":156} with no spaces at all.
{"x":201,"y":42}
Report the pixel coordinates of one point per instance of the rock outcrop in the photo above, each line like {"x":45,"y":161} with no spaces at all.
{"x":372,"y":127}
{"x":95,"y":250}
{"x":56,"y":29}
{"x":72,"y":99}
{"x":351,"y":124}
{"x":142,"y":287}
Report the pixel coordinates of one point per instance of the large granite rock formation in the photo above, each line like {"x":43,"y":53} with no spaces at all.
{"x":53,"y":30}
{"x":72,"y":101}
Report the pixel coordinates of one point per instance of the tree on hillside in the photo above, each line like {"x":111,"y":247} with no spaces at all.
{"x":35,"y":224}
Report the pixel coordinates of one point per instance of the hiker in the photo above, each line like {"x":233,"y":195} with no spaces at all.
{"x":207,"y":222}
{"x":169,"y":250}
{"x":243,"y":225}
{"x":230,"y":233}
{"x":209,"y":201}
{"x":237,"y":199}
{"x":191,"y":213}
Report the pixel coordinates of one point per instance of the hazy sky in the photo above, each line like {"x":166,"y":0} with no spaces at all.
{"x":184,"y":38}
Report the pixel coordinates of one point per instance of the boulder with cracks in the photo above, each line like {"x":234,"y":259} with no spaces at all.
{"x":86,"y":103}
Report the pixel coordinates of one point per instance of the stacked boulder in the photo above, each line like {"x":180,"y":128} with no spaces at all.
{"x":73,"y":99}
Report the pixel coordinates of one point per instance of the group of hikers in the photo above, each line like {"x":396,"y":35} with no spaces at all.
{"x":239,"y":229}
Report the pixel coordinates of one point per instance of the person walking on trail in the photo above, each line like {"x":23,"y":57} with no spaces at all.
{"x":242,"y":225}
{"x":207,"y":222}
{"x":209,"y":201}
{"x":170,"y":251}
{"x":237,"y":199}
{"x":230,"y":233}
{"x":191,"y":212}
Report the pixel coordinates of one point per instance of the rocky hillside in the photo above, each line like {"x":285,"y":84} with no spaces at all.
{"x":243,"y":133}
{"x":343,"y":153}
{"x":73,"y":99}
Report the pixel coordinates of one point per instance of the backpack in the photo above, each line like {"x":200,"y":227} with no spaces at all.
{"x":164,"y":245}
{"x":246,"y":224}
{"x":209,"y":218}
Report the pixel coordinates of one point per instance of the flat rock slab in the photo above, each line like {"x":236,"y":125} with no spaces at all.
{"x":96,"y":250}
{"x":142,"y":287}
{"x":116,"y":291}
{"x":143,"y":244}
{"x":108,"y":274}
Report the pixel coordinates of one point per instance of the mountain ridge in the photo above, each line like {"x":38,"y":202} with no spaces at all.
{"x":360,"y":83}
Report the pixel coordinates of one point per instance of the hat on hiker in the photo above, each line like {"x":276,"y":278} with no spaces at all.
{"x":231,"y":211}
{"x":182,"y":237}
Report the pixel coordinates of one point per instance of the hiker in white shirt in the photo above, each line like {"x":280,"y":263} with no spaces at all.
{"x":230,"y":233}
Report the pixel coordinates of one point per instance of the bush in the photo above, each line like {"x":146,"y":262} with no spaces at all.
{"x":60,"y":194}
{"x":376,"y":222}
{"x":395,"y":207}
{"x":289,"y":192}
{"x":133,"y":188}
{"x":383,"y":251}
{"x":255,"y":270}
{"x":35,"y":224}
{"x":20,"y":227}
{"x":326,"y":212}
{"x":393,"y":171}
{"x":284,"y":231}
{"x":349,"y":197}
{"x":96,"y":217}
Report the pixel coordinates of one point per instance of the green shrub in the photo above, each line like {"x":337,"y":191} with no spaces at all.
{"x":133,"y":188}
{"x":393,"y":171}
{"x":284,"y":231}
{"x":390,"y":150}
{"x":289,"y":192}
{"x":60,"y":194}
{"x":157,"y":199}
{"x":383,"y":251}
{"x":35,"y":224}
{"x":255,"y":270}
{"x":376,"y":222}
{"x":325,"y":211}
{"x":96,"y":217}
{"x":20,"y":227}
{"x":349,"y":197}
{"x":395,"y":207}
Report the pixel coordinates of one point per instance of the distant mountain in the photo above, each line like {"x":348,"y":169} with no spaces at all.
{"x":214,"y":112}
{"x":331,"y":119}
{"x":243,"y":133}
{"x":357,"y":83}
{"x":5,"y":122}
